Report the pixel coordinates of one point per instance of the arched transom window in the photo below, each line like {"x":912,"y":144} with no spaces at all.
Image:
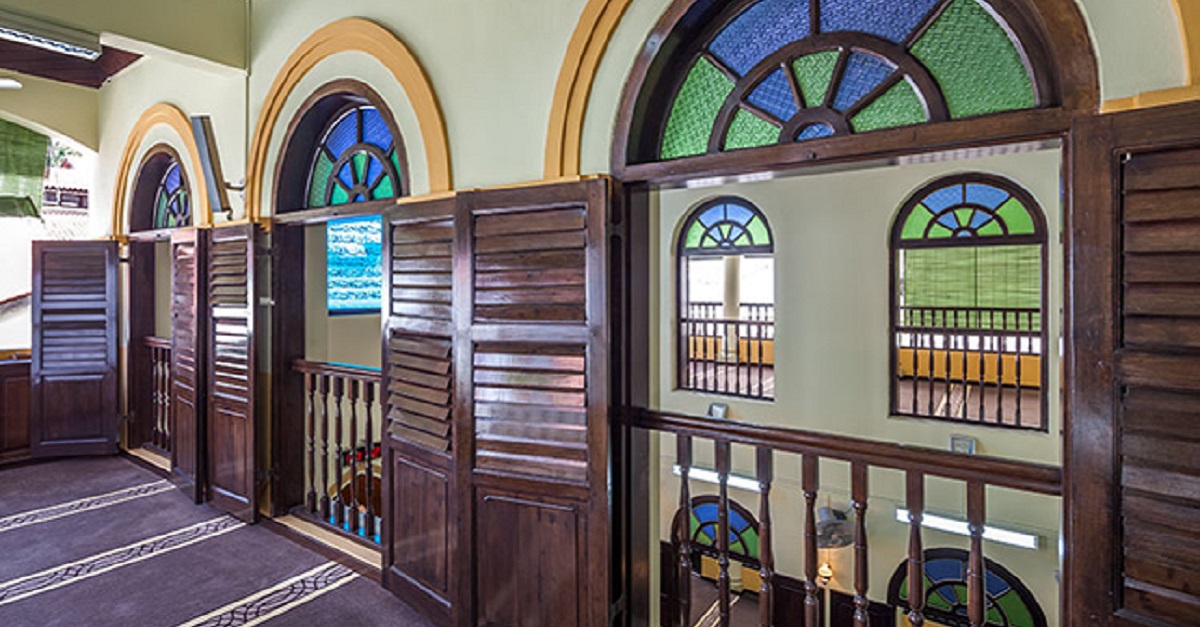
{"x":727,"y":300}
{"x":356,"y":160}
{"x":172,"y":203}
{"x":968,"y":294}
{"x":782,"y":71}
{"x":1008,"y":602}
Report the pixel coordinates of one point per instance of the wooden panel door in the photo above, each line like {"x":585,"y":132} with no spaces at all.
{"x":232,"y":484}
{"x":188,"y":367}
{"x":74,"y":370}
{"x":533,"y":368}
{"x":1133,"y":445}
{"x":420,"y":545}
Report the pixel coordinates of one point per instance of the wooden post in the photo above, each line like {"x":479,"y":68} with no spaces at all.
{"x":858,"y":494}
{"x":810,"y":480}
{"x":915,"y":501}
{"x":976,"y":516}
{"x":766,"y":558}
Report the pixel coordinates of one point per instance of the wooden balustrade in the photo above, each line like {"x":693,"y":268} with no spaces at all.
{"x":728,"y":356}
{"x":916,"y":462}
{"x":160,"y":392}
{"x":342,"y":480}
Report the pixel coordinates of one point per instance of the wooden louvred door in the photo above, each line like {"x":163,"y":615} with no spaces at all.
{"x":496,"y":367}
{"x":533,"y":379}
{"x":1133,"y":494}
{"x":74,"y":371}
{"x":232,"y":484}
{"x":188,"y":348}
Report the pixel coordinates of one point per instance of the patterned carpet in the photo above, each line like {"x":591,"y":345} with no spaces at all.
{"x":102,"y":542}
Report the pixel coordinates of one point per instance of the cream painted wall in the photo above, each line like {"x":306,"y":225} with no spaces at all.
{"x":162,"y":289}
{"x":196,"y":91}
{"x":212,"y":29}
{"x":52,"y":107}
{"x":353,"y":340}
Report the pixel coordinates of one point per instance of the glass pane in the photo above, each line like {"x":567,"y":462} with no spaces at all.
{"x":756,"y":280}
{"x":889,"y":19}
{"x":706,"y":279}
{"x":354,"y":255}
{"x":694,"y":111}
{"x":774,"y":95}
{"x":760,"y":30}
{"x":814,"y":73}
{"x":375,"y":130}
{"x":863,"y":73}
{"x":1016,"y":217}
{"x":898,"y":106}
{"x":750,"y":131}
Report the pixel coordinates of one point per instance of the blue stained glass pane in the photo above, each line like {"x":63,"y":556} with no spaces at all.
{"x":739,"y":214}
{"x":995,"y":585}
{"x":774,"y":95}
{"x":949,"y":220}
{"x":863,"y":73}
{"x":979,"y":219}
{"x":944,"y":570}
{"x":735,"y":233}
{"x":712,"y":216}
{"x":986,"y":195}
{"x":705,"y":513}
{"x":947,"y":593}
{"x":343,"y":135}
{"x":375,"y":130}
{"x":944,"y":198}
{"x":736,"y":522}
{"x":814,"y":131}
{"x":760,"y":30}
{"x":173,"y":180}
{"x":354,"y":252}
{"x":346,"y":175}
{"x":889,"y":19}
{"x":374,"y":169}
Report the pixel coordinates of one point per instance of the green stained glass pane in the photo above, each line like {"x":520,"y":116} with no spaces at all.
{"x":737,"y":547}
{"x":339,"y":196}
{"x":964,"y":216}
{"x":694,"y":111}
{"x":396,"y":164}
{"x":977,"y":65}
{"x":384,"y":189}
{"x":360,"y":165}
{"x":708,"y":243}
{"x":750,"y":131}
{"x":1016,"y":217}
{"x":322,"y":170}
{"x":898,"y":106}
{"x":939,"y":231}
{"x":1017,"y":612}
{"x":725,"y":228}
{"x":161,"y":210}
{"x":758,"y":231}
{"x":914,"y":227}
{"x":694,"y":235}
{"x":814,"y":72}
{"x":744,"y":240}
{"x":751,"y":541}
{"x":994,"y":617}
{"x":991,"y":228}
{"x":936,"y":600}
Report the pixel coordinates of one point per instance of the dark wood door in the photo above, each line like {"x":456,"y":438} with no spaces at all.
{"x":497,"y":369}
{"x":1133,"y":468}
{"x":188,"y":367}
{"x":74,"y":370}
{"x":230,"y":470}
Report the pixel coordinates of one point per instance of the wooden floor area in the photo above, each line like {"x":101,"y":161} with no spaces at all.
{"x":956,"y":401}
{"x":104,"y":542}
{"x":732,"y":378}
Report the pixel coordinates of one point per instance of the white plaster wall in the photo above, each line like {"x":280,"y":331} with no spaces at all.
{"x":51,"y":107}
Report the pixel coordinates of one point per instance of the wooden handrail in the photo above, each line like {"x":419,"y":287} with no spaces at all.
{"x":346,"y":371}
{"x":1027,"y":476}
{"x":157,"y":342}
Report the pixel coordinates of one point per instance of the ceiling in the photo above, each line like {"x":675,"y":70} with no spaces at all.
{"x":35,"y":61}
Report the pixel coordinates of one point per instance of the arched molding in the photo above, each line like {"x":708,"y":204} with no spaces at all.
{"x":1187,"y":12}
{"x":351,"y":35}
{"x":564,"y":137}
{"x":174,"y":119}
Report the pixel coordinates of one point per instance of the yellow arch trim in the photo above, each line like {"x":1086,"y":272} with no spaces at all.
{"x":564,"y":138}
{"x":172,"y":117}
{"x":352,"y":35}
{"x":1188,"y":14}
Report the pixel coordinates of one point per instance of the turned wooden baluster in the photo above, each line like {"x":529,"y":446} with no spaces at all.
{"x":339,"y":512}
{"x":915,"y":501}
{"x":310,"y":387}
{"x":326,"y":472}
{"x":976,"y":515}
{"x":352,"y":397}
{"x":858,"y":496}
{"x":683,"y":445}
{"x":766,"y":559}
{"x":369,"y":402}
{"x":723,"y":594}
{"x":810,"y":480}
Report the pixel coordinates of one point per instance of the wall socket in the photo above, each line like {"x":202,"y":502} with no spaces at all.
{"x":962,"y":444}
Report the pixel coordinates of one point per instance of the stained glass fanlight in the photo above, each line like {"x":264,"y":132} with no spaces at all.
{"x":172,"y":203}
{"x":969,"y":211}
{"x":356,"y":160}
{"x":704,"y":527}
{"x":783,"y":71}
{"x":725,"y":226}
{"x":1008,"y":602}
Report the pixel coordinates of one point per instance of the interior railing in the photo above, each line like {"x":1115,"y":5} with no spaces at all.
{"x":160,"y":392}
{"x":343,"y":447}
{"x":918,"y":464}
{"x":728,"y":356}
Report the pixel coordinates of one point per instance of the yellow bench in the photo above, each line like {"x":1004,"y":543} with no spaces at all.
{"x":1031,"y":366}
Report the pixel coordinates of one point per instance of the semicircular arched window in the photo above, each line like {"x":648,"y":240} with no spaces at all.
{"x":784,"y":71}
{"x":969,"y":300}
{"x":704,"y":523}
{"x":727,"y":300}
{"x":357,"y":159}
{"x":1008,"y":602}
{"x":172,"y":203}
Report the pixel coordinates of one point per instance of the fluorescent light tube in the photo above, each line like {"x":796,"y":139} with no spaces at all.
{"x":49,"y":36}
{"x":710,"y":476}
{"x":961,"y":528}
